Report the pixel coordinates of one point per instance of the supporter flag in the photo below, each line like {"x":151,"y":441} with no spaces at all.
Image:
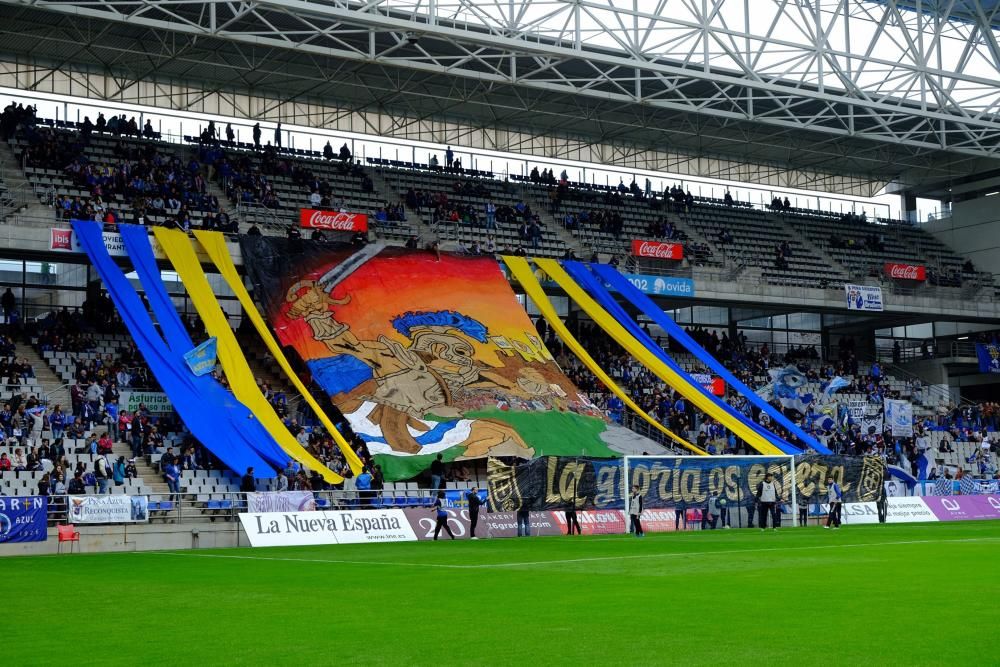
{"x":788,"y":387}
{"x":201,"y":360}
{"x":899,"y":417}
{"x":925,"y":464}
{"x":835,"y":385}
{"x":989,"y":357}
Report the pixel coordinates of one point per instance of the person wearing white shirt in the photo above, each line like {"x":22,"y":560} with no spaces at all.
{"x":768,"y":494}
{"x":315,"y":199}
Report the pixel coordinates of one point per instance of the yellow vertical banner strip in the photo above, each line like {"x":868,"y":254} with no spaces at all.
{"x":180,"y":252}
{"x":647,"y":359}
{"x":521,"y":270}
{"x":214,"y":245}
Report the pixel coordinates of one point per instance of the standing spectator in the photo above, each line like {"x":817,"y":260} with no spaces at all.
{"x":57,"y":421}
{"x":256,"y":136}
{"x":442,"y":516}
{"x":9,"y":302}
{"x":523,"y":522}
{"x":76,"y":487}
{"x":277,"y":134}
{"x":101,"y":475}
{"x":281,"y":482}
{"x":247,"y":483}
{"x":437,"y":472}
{"x":635,"y":512}
{"x":449,"y":159}
{"x":118,"y":473}
{"x":835,"y":496}
{"x":767,"y":497}
{"x":172,"y":476}
{"x":363,"y":483}
{"x":680,"y":515}
{"x":474,"y":504}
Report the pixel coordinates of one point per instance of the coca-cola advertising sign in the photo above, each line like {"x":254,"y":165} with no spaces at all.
{"x":657,"y":249}
{"x":905,"y":271}
{"x":333,"y":221}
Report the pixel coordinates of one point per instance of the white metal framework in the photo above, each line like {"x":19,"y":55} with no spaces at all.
{"x":873,"y":89}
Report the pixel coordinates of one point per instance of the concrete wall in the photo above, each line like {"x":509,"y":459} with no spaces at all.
{"x":138,"y":537}
{"x":973,"y":231}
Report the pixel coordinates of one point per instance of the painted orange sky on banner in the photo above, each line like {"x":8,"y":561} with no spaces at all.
{"x":392,"y":284}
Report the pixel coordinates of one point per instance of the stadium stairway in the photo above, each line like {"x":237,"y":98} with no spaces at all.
{"x":552,"y":224}
{"x":55,"y":391}
{"x":17,"y":191}
{"x":837,"y":272}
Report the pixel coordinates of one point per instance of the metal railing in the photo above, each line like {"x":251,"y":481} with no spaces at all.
{"x":188,"y":507}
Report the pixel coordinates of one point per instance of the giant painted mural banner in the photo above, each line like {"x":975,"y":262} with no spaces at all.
{"x":423,"y":353}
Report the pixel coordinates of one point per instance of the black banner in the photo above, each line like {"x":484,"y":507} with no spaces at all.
{"x":558,"y":483}
{"x":555,"y":483}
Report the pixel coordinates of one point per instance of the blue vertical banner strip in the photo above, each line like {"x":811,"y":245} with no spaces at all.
{"x":235,"y":420}
{"x":646,"y":306}
{"x":180,"y":385}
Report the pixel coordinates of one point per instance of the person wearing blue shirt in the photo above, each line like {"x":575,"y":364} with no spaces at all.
{"x":835,"y":496}
{"x":442,"y":516}
{"x":363,"y":483}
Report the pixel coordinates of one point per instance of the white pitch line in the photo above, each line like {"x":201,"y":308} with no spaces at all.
{"x":566,"y":561}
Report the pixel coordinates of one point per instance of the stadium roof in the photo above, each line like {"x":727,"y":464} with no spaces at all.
{"x":850,"y":87}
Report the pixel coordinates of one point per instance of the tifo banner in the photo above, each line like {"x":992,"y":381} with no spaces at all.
{"x":335,"y":221}
{"x":554,"y":483}
{"x":661,"y":285}
{"x":277,"y":529}
{"x":281,"y":501}
{"x":899,"y":417}
{"x":108,"y":509}
{"x":157,"y":402}
{"x":989,"y":357}
{"x":864,"y":297}
{"x":560,"y":483}
{"x":672,"y":481}
{"x":202,"y":359}
{"x":23,"y":519}
{"x":424,"y":354}
{"x":905,"y":271}
{"x":657,"y":249}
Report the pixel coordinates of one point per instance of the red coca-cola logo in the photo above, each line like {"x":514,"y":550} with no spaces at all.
{"x":62,"y":239}
{"x":657,"y":249}
{"x":905,"y":271}
{"x":333,"y":220}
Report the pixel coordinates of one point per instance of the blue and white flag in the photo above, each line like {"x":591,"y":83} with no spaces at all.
{"x":201,"y":360}
{"x":835,"y":385}
{"x":788,"y":387}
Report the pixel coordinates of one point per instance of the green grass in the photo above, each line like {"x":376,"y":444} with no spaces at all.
{"x":868,"y":595}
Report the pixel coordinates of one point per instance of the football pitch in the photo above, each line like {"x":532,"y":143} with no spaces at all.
{"x":868,"y":595}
